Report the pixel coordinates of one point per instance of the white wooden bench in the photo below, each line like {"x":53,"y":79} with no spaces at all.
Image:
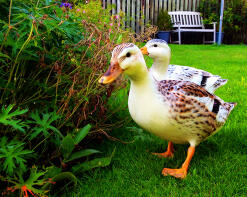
{"x":185,"y":21}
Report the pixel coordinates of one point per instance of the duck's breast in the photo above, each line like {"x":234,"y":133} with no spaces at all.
{"x":152,"y":114}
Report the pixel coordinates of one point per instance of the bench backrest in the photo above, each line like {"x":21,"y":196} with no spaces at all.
{"x":186,"y":19}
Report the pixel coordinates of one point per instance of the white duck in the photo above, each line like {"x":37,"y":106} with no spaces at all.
{"x":178,"y":111}
{"x":160,"y":52}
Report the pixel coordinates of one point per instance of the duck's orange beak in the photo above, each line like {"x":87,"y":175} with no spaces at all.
{"x":111,"y":74}
{"x":144,"y":50}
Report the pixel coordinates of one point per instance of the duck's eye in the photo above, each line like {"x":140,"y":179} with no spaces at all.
{"x":155,"y":45}
{"x":128,"y":54}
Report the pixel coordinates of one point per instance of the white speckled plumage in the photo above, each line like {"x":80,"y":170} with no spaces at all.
{"x":179,"y":111}
{"x":165,"y":107}
{"x":160,"y":52}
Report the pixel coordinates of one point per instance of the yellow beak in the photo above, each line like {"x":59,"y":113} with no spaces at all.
{"x":111,"y":74}
{"x":144,"y":50}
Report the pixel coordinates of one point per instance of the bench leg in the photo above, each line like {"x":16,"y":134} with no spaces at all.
{"x":203,"y":38}
{"x":214,"y":37}
{"x":179,"y":37}
{"x":214,"y":32}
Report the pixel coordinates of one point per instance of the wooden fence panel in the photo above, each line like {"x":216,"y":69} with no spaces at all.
{"x":142,"y":15}
{"x":124,"y":10}
{"x":177,"y":6}
{"x":137,"y":21}
{"x":182,"y":5}
{"x":114,"y":7}
{"x":186,"y":5}
{"x":169,"y":5}
{"x":138,"y":13}
{"x":133,"y":15}
{"x":165,"y":5}
{"x":160,"y":5}
{"x":174,"y":5}
{"x":151,"y":15}
{"x":128,"y":13}
{"x":108,"y":3}
{"x":147,"y":16}
{"x":118,"y":6}
{"x":156,"y":11}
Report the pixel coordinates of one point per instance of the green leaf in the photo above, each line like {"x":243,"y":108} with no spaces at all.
{"x":43,"y":124}
{"x":52,"y":171}
{"x":95,"y":163}
{"x":65,"y":175}
{"x":33,"y":183}
{"x":8,"y":118}
{"x":4,"y":55}
{"x":82,"y":153}
{"x":34,"y":176}
{"x":82,"y":133}
{"x":67,"y":146}
{"x":13,"y":156}
{"x":119,"y":40}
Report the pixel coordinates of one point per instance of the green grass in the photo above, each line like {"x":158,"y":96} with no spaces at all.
{"x":219,"y":166}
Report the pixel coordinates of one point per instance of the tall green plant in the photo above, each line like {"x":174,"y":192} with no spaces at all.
{"x":234,"y":20}
{"x":53,"y":56}
{"x":164,"y":21}
{"x":50,"y":61}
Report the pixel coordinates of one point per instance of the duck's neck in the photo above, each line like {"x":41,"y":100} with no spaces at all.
{"x":159,"y":68}
{"x":142,"y":81}
{"x":138,"y":75}
{"x":143,"y":84}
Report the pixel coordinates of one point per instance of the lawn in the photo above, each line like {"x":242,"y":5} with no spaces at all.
{"x":219,"y":166}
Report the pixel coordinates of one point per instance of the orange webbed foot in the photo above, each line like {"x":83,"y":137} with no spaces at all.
{"x":181,"y":172}
{"x":165,"y":154}
{"x":178,"y":173}
{"x":168,"y":153}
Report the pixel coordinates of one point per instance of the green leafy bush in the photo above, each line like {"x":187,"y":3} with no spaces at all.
{"x":234,"y":20}
{"x":64,"y":162}
{"x":51,"y":56}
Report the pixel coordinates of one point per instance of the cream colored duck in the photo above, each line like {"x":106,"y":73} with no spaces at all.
{"x":178,"y":111}
{"x":160,"y":52}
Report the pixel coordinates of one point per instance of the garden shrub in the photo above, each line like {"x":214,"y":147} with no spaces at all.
{"x":52,"y":55}
{"x":234,"y":21}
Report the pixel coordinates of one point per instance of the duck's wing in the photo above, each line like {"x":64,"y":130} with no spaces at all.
{"x":191,"y":103}
{"x":200,"y":77}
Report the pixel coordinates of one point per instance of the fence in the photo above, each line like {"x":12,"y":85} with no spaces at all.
{"x":140,"y":12}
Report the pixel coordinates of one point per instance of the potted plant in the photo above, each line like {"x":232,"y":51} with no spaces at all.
{"x":164,"y":24}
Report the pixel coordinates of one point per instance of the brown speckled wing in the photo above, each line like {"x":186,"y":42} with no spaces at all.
{"x":186,"y":87}
{"x":187,"y":109}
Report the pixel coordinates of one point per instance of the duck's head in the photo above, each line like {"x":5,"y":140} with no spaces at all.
{"x":157,"y":49}
{"x":128,"y":59}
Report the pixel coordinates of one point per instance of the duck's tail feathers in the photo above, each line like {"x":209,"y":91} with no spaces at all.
{"x":225,"y":109}
{"x":214,"y":82}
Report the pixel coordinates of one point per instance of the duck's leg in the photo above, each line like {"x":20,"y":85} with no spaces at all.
{"x":169,"y":152}
{"x":181,"y":172}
